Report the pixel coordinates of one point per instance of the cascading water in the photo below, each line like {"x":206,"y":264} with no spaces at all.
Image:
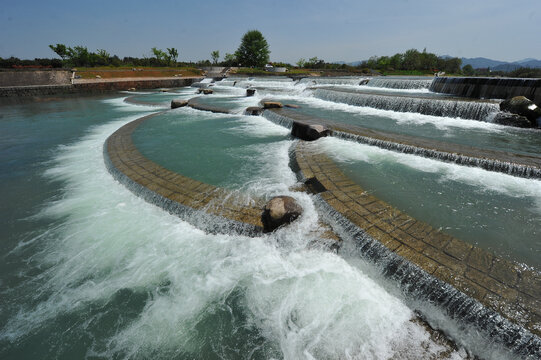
{"x":449,"y":108}
{"x":95,"y":271}
{"x":117,"y":277}
{"x":402,"y":84}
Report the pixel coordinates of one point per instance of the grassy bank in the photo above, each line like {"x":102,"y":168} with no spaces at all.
{"x":106,"y":72}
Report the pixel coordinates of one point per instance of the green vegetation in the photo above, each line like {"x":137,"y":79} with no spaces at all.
{"x":215,"y":55}
{"x":253,"y":50}
{"x":253,"y":54}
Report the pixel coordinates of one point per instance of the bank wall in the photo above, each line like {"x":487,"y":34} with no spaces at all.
{"x":29,"y":77}
{"x":94,"y":87}
{"x":488,"y":88}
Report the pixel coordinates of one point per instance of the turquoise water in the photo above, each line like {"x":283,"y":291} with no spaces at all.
{"x":497,"y":212}
{"x":89,"y":270}
{"x":222,"y":150}
{"x":457,"y":131}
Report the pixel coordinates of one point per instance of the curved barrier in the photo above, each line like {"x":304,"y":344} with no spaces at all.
{"x":205,"y":206}
{"x":492,"y":160}
{"x":497,"y":297}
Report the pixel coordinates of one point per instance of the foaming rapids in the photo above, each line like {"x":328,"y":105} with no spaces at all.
{"x":474,"y":110}
{"x":132,"y":281}
{"x":402,"y":84}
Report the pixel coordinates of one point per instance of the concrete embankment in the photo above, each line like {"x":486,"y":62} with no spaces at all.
{"x":488,"y":88}
{"x":96,"y":86}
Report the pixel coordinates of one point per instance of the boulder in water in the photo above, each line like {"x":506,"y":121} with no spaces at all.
{"x":205,"y":91}
{"x":272,"y":105}
{"x":506,"y":118}
{"x":250,"y":92}
{"x":280,"y":210}
{"x":364,"y":81}
{"x":523,"y":106}
{"x":309,"y":132}
{"x":292,"y":106}
{"x":176,"y":103}
{"x":254,"y":110}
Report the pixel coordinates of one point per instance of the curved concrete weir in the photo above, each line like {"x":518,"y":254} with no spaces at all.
{"x":513,"y":164}
{"x":205,"y":206}
{"x":471,"y":285}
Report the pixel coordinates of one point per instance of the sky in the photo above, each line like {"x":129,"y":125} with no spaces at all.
{"x":338,"y":30}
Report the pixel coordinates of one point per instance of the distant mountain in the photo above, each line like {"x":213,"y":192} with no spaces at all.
{"x":483,"y":63}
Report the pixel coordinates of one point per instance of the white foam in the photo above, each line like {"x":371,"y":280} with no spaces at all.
{"x":439,"y":122}
{"x":482,"y":180}
{"x":306,"y":303}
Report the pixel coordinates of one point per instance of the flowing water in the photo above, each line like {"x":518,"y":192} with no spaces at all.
{"x":90,"y":270}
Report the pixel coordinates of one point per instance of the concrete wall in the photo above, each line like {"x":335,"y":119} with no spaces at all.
{"x":94,"y":87}
{"x":489,"y":88}
{"x":29,"y":77}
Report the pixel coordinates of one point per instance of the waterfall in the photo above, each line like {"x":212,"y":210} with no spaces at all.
{"x":489,"y":88}
{"x":474,"y":110}
{"x":331,"y":81}
{"x":417,"y":284}
{"x":402,"y":84}
{"x":495,"y":165}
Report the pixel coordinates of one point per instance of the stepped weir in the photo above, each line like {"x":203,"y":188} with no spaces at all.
{"x":488,"y":88}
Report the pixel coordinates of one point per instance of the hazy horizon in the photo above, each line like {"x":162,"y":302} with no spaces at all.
{"x":340,"y":31}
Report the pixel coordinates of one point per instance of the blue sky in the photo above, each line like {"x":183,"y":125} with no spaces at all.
{"x":331,"y":30}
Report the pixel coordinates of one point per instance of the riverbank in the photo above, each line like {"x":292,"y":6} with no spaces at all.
{"x":97,"y":86}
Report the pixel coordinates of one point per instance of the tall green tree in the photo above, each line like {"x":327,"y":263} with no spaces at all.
{"x":215,"y":56}
{"x":253,"y":50}
{"x":173,"y":55}
{"x":60,"y":49}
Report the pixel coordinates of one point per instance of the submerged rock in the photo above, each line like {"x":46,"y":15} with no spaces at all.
{"x":272,"y":105}
{"x":280,"y":210}
{"x":176,"y":103}
{"x":292,"y":106}
{"x":523,"y":106}
{"x":309,"y":132}
{"x":250,"y":92}
{"x":505,"y":118}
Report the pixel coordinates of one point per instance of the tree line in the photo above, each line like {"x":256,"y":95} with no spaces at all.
{"x":253,"y":52}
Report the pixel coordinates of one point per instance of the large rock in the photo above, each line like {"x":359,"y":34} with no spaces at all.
{"x":523,"y":106}
{"x":176,"y":103}
{"x":272,"y":105}
{"x":505,"y":118}
{"x":253,"y":110}
{"x":280,"y":210}
{"x":205,"y":91}
{"x":309,"y":132}
{"x":250,"y":92}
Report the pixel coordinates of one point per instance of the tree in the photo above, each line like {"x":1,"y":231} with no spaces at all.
{"x":60,"y":49}
{"x":301,"y":62}
{"x":229,"y":60}
{"x":173,"y":55}
{"x":468,"y":70}
{"x":159,"y":54}
{"x":253,"y":50}
{"x":215,"y":56}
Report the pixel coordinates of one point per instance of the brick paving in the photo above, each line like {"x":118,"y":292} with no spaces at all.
{"x":498,"y":284}
{"x":170,"y":188}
